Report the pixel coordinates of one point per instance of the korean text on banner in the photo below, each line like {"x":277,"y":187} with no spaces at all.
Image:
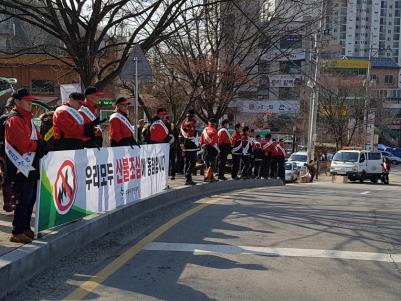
{"x":74,"y":184}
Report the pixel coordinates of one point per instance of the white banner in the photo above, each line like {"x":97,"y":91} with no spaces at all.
{"x":74,"y":184}
{"x":67,"y":89}
{"x":271,"y":106}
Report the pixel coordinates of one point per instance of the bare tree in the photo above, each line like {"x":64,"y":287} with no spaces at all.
{"x":216,"y":49}
{"x":95,"y":37}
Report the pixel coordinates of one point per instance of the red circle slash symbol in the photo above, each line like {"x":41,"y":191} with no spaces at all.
{"x":65,"y":187}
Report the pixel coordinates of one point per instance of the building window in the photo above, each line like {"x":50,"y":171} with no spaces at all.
{"x":43,"y":86}
{"x":388,"y":80}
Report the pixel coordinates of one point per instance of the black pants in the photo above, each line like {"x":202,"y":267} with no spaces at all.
{"x":173,"y":161}
{"x":385,"y":179}
{"x":273,"y":167}
{"x":222,"y":163}
{"x":190,"y":161}
{"x":235,"y":166}
{"x":26,"y":197}
{"x":257,"y":172}
{"x":211,"y":157}
{"x":246,"y":163}
{"x":251,"y":164}
{"x":266,"y":165}
{"x":280,"y":167}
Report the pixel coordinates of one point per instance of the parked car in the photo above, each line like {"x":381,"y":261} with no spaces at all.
{"x":300,"y":158}
{"x":357,"y":165}
{"x":393,"y":159}
{"x":291,"y":171}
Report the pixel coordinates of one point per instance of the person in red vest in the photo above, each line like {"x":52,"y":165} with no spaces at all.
{"x":69,"y":130}
{"x":236,"y":151}
{"x":158,"y":130}
{"x":224,"y":142}
{"x":274,"y":159}
{"x":24,"y":147}
{"x":267,"y":147}
{"x":246,"y":153}
{"x":121,"y":132}
{"x":89,"y":112}
{"x":209,"y":141}
{"x":258,"y":155}
{"x":190,"y":145}
{"x":281,"y":160}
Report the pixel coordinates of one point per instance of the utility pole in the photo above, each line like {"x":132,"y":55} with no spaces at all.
{"x":314,"y":104}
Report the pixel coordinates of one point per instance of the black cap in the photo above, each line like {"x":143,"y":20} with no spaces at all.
{"x":245,"y":129}
{"x":122,"y":100}
{"x":23,"y":94}
{"x":93,"y":90}
{"x":213,"y":121}
{"x":10,"y":103}
{"x":77,"y":96}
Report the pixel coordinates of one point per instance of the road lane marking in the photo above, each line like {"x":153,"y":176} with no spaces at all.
{"x":90,"y":285}
{"x":273,"y":252}
{"x":365,"y":192}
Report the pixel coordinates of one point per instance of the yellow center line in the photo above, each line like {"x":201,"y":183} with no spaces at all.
{"x":90,"y":285}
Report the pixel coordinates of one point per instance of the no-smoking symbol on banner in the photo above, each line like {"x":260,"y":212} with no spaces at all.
{"x":65,"y":187}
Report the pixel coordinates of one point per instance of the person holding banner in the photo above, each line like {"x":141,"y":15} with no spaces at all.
{"x":190,"y":145}
{"x":89,"y":112}
{"x":69,"y":129}
{"x":159,"y":131}
{"x":24,"y":147}
{"x":121,"y":132}
{"x":209,"y":140}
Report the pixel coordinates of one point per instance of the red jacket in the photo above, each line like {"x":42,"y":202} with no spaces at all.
{"x":188,"y":128}
{"x":159,"y":133}
{"x":118,"y":130}
{"x":65,"y":126}
{"x":18,"y":133}
{"x":281,"y":150}
{"x":236,"y":143}
{"x":209,"y":136}
{"x":93,"y":109}
{"x":274,"y":151}
{"x":268,"y":146}
{"x":224,"y":137}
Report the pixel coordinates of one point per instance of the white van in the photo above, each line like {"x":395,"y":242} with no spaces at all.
{"x":357,"y":165}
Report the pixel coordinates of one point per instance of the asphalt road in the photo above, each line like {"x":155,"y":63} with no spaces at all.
{"x":319,"y":241}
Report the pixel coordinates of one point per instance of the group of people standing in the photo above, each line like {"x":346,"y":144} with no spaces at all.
{"x":76,"y":125}
{"x":252,"y":156}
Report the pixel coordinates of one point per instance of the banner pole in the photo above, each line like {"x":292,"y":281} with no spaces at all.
{"x":37,"y":203}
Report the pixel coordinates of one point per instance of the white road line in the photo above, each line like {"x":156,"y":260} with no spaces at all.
{"x":273,"y":252}
{"x":365,"y":192}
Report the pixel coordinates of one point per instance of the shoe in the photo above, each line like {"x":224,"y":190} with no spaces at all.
{"x":31,"y":234}
{"x":20,"y":238}
{"x":190,"y":183}
{"x":172,"y":178}
{"x":235,"y":178}
{"x":8,"y":207}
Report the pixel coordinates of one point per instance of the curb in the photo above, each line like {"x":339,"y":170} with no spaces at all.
{"x":20,"y":265}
